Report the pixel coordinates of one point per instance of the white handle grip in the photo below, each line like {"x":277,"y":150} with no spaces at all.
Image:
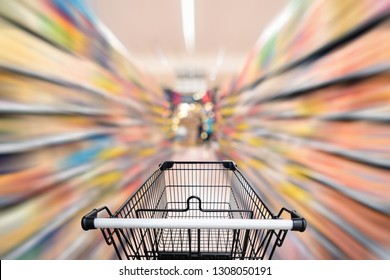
{"x":194,"y":223}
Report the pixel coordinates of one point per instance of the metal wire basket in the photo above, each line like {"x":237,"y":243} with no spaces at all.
{"x":194,"y":210}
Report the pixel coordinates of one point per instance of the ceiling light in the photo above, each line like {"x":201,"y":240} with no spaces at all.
{"x":188,"y":21}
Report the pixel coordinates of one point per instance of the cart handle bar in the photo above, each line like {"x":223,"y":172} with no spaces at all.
{"x":270,"y":224}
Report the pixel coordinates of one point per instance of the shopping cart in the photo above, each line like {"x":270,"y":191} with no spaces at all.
{"x":194,"y":210}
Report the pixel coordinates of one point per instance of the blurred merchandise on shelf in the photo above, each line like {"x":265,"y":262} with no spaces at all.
{"x":80,"y":127}
{"x":308,"y":120}
{"x":305,"y":29}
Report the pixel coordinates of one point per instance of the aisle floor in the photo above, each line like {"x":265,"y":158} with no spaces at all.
{"x":195,"y":153}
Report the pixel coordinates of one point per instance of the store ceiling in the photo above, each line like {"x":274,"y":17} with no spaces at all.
{"x":151,"y":30}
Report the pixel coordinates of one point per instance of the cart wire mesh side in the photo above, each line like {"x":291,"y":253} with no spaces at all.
{"x":194,"y":210}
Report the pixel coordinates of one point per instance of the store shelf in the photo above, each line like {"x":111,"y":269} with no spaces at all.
{"x":381,"y":115}
{"x":15,"y":108}
{"x":52,"y":225}
{"x":271,"y":165}
{"x":114,"y":58}
{"x":266,"y":178}
{"x":358,"y":76}
{"x":90,"y":198}
{"x":35,"y":34}
{"x":350,"y":193}
{"x":278,"y":162}
{"x":54,"y":80}
{"x":365,"y":158}
{"x":372,"y":115}
{"x":80,"y":125}
{"x":346,"y":38}
{"x":31,"y":144}
{"x":307,"y":118}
